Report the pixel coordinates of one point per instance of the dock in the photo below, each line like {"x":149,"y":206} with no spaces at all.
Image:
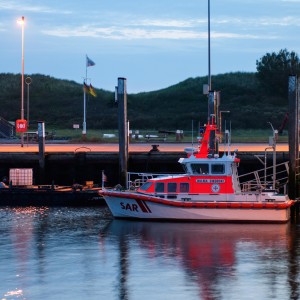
{"x":66,"y":164}
{"x":69,"y":164}
{"x":50,"y":196}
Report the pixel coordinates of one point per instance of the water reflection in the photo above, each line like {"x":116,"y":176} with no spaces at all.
{"x":17,"y":229}
{"x":214,"y":256}
{"x":76,"y":253}
{"x":46,"y":252}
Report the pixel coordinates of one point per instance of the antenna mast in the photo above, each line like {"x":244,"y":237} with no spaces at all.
{"x":209,"y":73}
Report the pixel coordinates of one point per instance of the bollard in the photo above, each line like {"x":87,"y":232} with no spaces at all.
{"x":136,"y":134}
{"x":181,"y":134}
{"x":177,"y":135}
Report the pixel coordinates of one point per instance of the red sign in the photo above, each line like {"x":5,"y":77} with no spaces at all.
{"x":21,"y":125}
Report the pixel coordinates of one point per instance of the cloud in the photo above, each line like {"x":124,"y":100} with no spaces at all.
{"x":121,"y":33}
{"x":166,"y":23}
{"x":286,"y":21}
{"x":15,"y":6}
{"x":131,"y":27}
{"x":132,"y":33}
{"x":257,"y":22}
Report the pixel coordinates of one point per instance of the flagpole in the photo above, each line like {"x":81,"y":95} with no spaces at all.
{"x":84,"y":113}
{"x":88,"y":63}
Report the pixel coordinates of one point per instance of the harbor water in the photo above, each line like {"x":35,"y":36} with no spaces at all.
{"x":82,"y":253}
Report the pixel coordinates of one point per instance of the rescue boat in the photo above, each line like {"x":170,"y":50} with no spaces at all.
{"x":208,"y":190}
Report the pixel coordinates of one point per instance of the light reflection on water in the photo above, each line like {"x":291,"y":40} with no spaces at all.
{"x":82,"y":253}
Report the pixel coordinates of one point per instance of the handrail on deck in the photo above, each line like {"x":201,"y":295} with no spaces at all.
{"x":263,"y":178}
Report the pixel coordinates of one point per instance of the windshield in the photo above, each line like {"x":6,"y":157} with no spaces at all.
{"x":146,"y":186}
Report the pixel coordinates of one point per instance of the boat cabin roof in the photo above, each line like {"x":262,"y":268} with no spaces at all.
{"x":209,"y":166}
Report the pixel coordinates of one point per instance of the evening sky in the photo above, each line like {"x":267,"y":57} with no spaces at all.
{"x":154,"y":44}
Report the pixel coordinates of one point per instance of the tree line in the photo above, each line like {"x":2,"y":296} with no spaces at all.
{"x":253,"y":99}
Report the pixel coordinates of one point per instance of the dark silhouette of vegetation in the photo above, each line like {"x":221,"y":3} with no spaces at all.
{"x":60,"y":103}
{"x":273,"y":70}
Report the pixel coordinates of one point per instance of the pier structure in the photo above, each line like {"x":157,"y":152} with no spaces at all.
{"x":82,"y":164}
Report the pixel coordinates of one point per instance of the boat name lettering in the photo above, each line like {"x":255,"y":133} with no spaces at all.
{"x":210,"y":180}
{"x":127,"y":206}
{"x":186,"y":199}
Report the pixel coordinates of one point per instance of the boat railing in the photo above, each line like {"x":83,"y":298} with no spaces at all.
{"x":264,"y":178}
{"x":253,"y":181}
{"x":137,"y":179}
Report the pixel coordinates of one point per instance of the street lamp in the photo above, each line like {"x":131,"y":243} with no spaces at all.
{"x":22,"y":23}
{"x":28,"y":81}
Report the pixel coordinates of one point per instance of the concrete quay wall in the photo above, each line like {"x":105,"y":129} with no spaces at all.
{"x":66,"y":168}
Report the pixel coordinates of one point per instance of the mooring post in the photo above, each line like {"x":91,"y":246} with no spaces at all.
{"x":41,"y":141}
{"x":123,"y":130}
{"x":293,"y":137}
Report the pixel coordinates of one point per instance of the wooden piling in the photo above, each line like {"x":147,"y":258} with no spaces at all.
{"x":41,"y":141}
{"x":123,"y":130}
{"x":293,"y":135}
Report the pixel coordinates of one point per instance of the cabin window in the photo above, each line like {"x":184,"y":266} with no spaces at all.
{"x":146,"y":186}
{"x":159,"y":187}
{"x":172,"y":187}
{"x":184,"y":187}
{"x":217,"y":168}
{"x":200,"y":168}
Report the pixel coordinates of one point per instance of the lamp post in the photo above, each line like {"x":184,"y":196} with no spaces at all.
{"x":28,"y":81}
{"x":22,"y":23}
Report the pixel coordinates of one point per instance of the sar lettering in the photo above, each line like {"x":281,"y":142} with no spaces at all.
{"x":127,"y":206}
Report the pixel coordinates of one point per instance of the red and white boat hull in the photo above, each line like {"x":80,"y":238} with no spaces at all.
{"x":140,"y":206}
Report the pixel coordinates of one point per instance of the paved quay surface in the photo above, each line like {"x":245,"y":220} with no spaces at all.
{"x":136,"y":147}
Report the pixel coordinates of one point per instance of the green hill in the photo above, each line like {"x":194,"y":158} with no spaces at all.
{"x":60,"y":103}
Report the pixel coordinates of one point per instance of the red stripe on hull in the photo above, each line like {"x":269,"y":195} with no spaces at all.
{"x":233,"y":205}
{"x":143,"y":206}
{"x":149,"y":210}
{"x":208,"y":220}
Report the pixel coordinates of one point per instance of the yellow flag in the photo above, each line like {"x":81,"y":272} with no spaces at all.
{"x":92,"y":91}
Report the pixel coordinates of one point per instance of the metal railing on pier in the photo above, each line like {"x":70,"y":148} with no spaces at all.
{"x":264,"y":178}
